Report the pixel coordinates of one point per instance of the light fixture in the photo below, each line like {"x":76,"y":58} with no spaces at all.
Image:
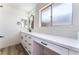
{"x":18,"y":23}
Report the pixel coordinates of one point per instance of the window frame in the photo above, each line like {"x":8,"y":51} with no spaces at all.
{"x":46,"y":6}
{"x":40,"y":14}
{"x":62,"y":24}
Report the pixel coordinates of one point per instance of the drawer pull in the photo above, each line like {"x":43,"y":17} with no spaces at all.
{"x":43,"y":43}
{"x":21,"y":37}
{"x":29,"y":37}
{"x":25,"y":40}
{"x":26,"y":47}
{"x":29,"y":43}
{"x":25,"y":35}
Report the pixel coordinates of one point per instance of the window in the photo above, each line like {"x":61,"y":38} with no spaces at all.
{"x":46,"y":16}
{"x":62,"y":14}
{"x":56,"y":14}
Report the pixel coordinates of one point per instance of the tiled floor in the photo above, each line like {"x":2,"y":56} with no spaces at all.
{"x":13,"y":50}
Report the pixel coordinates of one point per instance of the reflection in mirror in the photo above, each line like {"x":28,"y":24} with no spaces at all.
{"x":25,"y":23}
{"x":31,"y":22}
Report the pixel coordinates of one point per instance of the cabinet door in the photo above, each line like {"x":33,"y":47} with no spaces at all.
{"x":29,"y":38}
{"x":22,"y":39}
{"x":37,"y":49}
{"x":58,"y":49}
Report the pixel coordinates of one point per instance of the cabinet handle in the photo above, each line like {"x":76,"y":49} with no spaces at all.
{"x":30,"y":38}
{"x":26,"y":47}
{"x":25,"y":35}
{"x":43,"y":43}
{"x":21,"y":37}
{"x":29,"y":43}
{"x":25,"y":40}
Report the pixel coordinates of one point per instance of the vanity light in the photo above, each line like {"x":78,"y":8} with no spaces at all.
{"x":18,"y":23}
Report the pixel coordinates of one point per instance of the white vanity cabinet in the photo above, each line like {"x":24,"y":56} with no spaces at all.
{"x":23,"y":41}
{"x":58,"y":49}
{"x":34,"y":44}
{"x":30,"y":45}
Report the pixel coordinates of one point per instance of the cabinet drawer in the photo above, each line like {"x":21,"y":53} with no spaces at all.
{"x":58,"y":49}
{"x":29,"y":39}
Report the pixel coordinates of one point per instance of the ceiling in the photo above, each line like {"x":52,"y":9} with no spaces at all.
{"x":22,"y":6}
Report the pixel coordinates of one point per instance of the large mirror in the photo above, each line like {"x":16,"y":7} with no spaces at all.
{"x":31,"y":22}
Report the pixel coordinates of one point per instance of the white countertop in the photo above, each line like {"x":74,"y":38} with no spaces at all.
{"x":62,"y":41}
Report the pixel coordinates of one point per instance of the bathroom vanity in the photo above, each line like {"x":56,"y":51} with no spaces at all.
{"x":35,"y":42}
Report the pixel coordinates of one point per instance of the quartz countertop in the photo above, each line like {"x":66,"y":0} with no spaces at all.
{"x":62,"y":41}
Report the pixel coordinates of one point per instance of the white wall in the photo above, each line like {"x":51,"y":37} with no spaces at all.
{"x":65,"y":31}
{"x":8,"y":25}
